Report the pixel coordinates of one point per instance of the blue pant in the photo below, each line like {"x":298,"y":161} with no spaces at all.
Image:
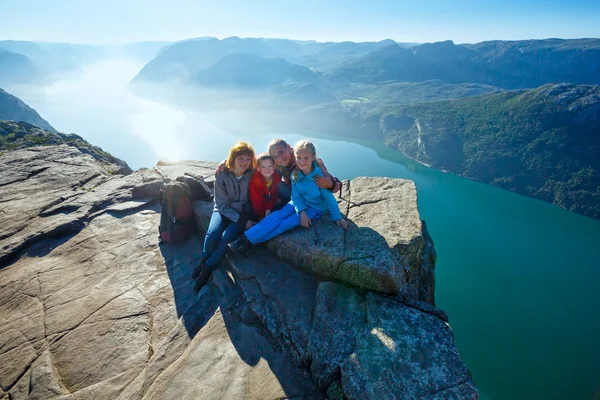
{"x":221,"y":231}
{"x":278,"y":222}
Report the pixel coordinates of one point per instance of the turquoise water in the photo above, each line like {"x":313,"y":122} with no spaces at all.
{"x":517,"y":276}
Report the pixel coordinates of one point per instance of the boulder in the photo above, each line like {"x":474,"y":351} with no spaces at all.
{"x":402,"y":353}
{"x":364,"y":345}
{"x":386,"y":248}
{"x":93,"y":307}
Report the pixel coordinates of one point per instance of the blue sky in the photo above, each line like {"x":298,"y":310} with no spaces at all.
{"x":464,"y":21}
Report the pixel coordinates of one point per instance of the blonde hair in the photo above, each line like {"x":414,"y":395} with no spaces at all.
{"x":240,"y":149}
{"x":263,"y":157}
{"x":303,"y":145}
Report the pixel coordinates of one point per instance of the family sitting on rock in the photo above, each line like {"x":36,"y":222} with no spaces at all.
{"x":258,"y":198}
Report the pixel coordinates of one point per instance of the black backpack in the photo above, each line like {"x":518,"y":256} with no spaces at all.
{"x":177,"y":220}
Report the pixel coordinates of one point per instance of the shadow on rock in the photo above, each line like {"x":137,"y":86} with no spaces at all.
{"x":180,"y":261}
{"x":221,"y":314}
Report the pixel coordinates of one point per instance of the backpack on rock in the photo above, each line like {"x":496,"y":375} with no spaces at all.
{"x":199,"y":190}
{"x":177,"y":220}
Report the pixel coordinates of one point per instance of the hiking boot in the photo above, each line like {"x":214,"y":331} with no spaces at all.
{"x":198,"y":269}
{"x":202,"y":278}
{"x":241,"y":246}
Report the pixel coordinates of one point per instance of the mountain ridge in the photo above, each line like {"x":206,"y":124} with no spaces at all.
{"x":495,"y":139}
{"x":14,"y":109}
{"x":534,"y":62}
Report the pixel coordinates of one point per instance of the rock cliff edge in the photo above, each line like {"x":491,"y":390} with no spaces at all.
{"x":93,"y":307}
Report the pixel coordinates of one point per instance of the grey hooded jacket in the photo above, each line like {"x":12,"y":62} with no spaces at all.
{"x":231,"y":195}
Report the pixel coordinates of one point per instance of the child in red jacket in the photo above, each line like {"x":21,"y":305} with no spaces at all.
{"x":263,"y":186}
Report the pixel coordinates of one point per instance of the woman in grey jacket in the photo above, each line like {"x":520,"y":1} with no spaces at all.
{"x":231,"y":203}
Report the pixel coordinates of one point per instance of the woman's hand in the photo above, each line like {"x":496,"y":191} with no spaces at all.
{"x":343,"y":223}
{"x":220,"y":168}
{"x":267,"y":213}
{"x":304,"y":220}
{"x":250,"y":224}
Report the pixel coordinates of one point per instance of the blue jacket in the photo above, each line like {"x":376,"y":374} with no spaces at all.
{"x":306,"y":193}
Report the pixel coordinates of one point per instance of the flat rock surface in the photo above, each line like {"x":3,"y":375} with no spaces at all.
{"x":93,"y":307}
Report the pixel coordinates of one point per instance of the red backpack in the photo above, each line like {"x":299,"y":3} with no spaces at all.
{"x":177,"y":220}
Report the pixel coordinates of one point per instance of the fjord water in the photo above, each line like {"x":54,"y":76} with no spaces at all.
{"x":518,"y":277}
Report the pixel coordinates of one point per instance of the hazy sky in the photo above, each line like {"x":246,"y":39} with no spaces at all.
{"x":122,"y":21}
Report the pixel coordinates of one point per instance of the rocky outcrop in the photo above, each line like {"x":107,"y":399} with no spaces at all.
{"x":13,"y":109}
{"x":18,"y":135}
{"x":385,"y":248}
{"x":93,"y":307}
{"x":360,"y":344}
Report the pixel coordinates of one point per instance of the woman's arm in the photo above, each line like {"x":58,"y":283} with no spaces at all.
{"x":220,"y":168}
{"x":328,"y":181}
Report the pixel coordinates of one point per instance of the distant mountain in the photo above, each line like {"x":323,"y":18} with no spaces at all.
{"x":531,"y":63}
{"x":242,"y":71}
{"x":62,"y":57}
{"x":29,"y":49}
{"x":395,"y":93}
{"x":544,"y":143}
{"x":391,"y":63}
{"x":44,"y":62}
{"x":70,"y":56}
{"x":182,"y":60}
{"x":17,"y":68}
{"x":320,"y":55}
{"x":46,"y":56}
{"x":248,"y":86}
{"x":144,"y":51}
{"x":376,"y":98}
{"x":13,"y":109}
{"x":502,"y":64}
{"x":509,"y":65}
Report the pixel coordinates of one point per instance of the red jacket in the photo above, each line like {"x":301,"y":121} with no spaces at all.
{"x":261,"y":197}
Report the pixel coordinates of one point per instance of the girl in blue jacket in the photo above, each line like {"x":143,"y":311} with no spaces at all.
{"x":308,"y":203}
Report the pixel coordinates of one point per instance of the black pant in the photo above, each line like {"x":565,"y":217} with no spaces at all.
{"x":284,"y":195}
